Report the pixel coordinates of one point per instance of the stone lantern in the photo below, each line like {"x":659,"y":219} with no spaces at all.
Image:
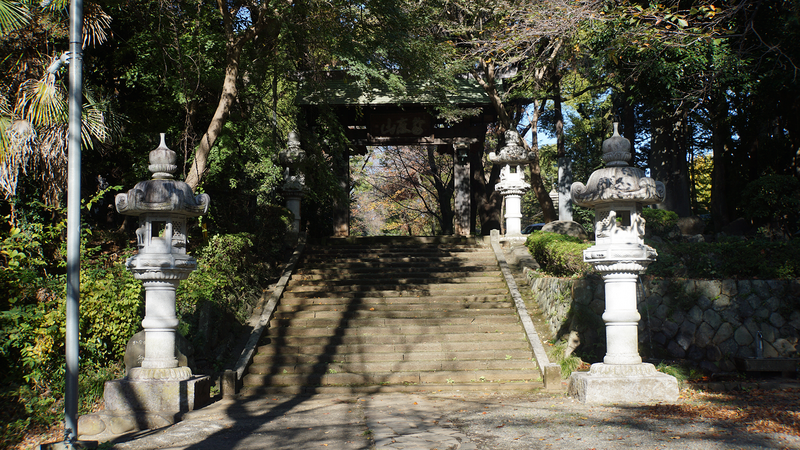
{"x":617,"y":193}
{"x":160,"y":391}
{"x":512,"y":183}
{"x":294,"y":187}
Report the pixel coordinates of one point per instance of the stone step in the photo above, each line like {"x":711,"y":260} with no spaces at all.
{"x":396,"y":313}
{"x":341,"y":278}
{"x":400,"y":307}
{"x":390,"y":367}
{"x":347,"y":378}
{"x":361,"y":319}
{"x":515,"y":343}
{"x":515,"y":353}
{"x":392,"y":322}
{"x":399,"y":291}
{"x":410,"y":329}
{"x":485,"y":386}
{"x":353,"y":301}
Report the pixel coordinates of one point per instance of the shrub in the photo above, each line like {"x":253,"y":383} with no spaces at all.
{"x":773,"y":200}
{"x":659,"y":222}
{"x":731,"y":259}
{"x":558,"y":254}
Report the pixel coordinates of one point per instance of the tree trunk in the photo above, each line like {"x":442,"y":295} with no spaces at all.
{"x":545,"y":202}
{"x":668,"y":162}
{"x":720,"y":136}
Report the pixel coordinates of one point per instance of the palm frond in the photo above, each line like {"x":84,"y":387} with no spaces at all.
{"x":13,"y":16}
{"x":42,"y":102}
{"x":96,"y":24}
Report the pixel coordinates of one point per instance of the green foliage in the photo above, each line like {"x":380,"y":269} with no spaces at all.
{"x":659,"y":222}
{"x":773,"y":199}
{"x":569,"y":363}
{"x":217,"y":298}
{"x":559,"y":255}
{"x":730,"y":259}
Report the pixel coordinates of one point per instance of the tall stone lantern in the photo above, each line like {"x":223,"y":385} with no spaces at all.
{"x":162,"y":204}
{"x":512,"y":185}
{"x":294,"y":186}
{"x":617,"y":193}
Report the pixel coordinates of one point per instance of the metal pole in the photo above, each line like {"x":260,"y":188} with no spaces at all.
{"x":73,"y":219}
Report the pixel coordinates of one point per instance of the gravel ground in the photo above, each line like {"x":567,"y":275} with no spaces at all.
{"x":467,"y":421}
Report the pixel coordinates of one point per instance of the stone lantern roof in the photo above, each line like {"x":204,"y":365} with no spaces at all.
{"x":513,"y":152}
{"x":617,"y":181}
{"x":162,"y":194}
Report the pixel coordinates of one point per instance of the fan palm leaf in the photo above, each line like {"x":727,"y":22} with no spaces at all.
{"x":13,"y":16}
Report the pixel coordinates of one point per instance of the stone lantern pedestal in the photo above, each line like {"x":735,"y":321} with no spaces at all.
{"x":158,"y":391}
{"x":617,"y":193}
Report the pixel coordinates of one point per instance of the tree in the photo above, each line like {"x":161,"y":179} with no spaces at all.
{"x":33,"y":101}
{"x":414,"y":184}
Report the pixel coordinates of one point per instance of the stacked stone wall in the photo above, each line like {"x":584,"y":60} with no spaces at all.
{"x":707,"y":321}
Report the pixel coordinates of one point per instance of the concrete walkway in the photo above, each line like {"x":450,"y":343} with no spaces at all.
{"x":442,"y":421}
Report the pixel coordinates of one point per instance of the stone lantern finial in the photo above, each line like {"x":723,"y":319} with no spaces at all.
{"x":616,"y":149}
{"x":162,"y":161}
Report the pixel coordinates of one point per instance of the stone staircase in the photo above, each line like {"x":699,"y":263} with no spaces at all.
{"x":394,"y":314}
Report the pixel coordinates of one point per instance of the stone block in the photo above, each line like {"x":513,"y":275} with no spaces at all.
{"x":157,"y":396}
{"x":776,"y":320}
{"x":729,"y":347}
{"x":745,"y":287}
{"x":777,"y":287}
{"x":704,"y":335}
{"x":761,"y":288}
{"x":713,"y":353}
{"x":712,"y":318}
{"x":621,"y":388}
{"x":551,"y":375}
{"x":761,"y":313}
{"x":768,"y":332}
{"x":729,"y":288}
{"x":669,"y":328}
{"x":722,"y":302}
{"x":662,"y":311}
{"x":724,"y":332}
{"x":685,"y":336}
{"x":704,"y":302}
{"x":743,"y":336}
{"x":709,"y":288}
{"x":695,"y":353}
{"x":695,"y":315}
{"x":754,"y":301}
{"x":676,"y":350}
{"x":794,"y":287}
{"x":772,"y":303}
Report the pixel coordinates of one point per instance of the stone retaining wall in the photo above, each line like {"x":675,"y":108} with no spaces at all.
{"x":707,"y":321}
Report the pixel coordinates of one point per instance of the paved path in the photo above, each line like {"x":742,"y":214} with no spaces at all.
{"x":444,"y":422}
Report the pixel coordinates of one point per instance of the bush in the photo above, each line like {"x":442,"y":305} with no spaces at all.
{"x":659,"y":222}
{"x":773,"y":200}
{"x":558,"y":254}
{"x":734,"y":259}
{"x":217,"y":299}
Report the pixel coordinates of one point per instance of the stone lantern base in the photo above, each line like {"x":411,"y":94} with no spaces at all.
{"x":623,"y":383}
{"x":134,"y":405}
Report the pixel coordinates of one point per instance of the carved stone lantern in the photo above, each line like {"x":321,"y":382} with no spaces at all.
{"x":162,"y":204}
{"x":512,"y":183}
{"x":617,"y":193}
{"x":294,"y":186}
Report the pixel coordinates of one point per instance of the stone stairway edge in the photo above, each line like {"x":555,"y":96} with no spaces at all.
{"x":260,"y":321}
{"x":551,"y":373}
